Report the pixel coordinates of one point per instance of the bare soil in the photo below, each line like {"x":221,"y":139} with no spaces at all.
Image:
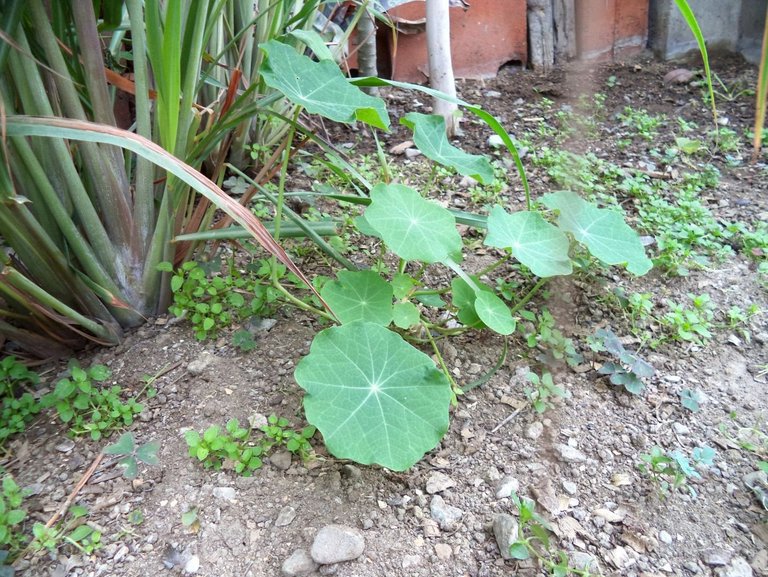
{"x":599,"y":504}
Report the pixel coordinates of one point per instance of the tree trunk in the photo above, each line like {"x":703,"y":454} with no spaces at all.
{"x":440,"y":65}
{"x":565,"y":30}
{"x":541,"y":34}
{"x":366,"y":54}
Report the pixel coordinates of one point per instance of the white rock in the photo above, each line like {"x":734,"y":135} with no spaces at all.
{"x":337,"y":543}
{"x":300,"y":563}
{"x":446,"y":515}
{"x":285,"y":517}
{"x":443,"y":551}
{"x":505,"y":531}
{"x":495,"y":141}
{"x":570,"y":454}
{"x":226,"y":493}
{"x":506,"y":487}
{"x":439,"y":482}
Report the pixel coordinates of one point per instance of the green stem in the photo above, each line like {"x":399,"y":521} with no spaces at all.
{"x":454,"y":387}
{"x":300,"y":303}
{"x":522,"y":302}
{"x":495,"y":265}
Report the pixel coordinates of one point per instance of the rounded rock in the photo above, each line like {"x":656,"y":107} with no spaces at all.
{"x":337,"y":543}
{"x":298,"y":564}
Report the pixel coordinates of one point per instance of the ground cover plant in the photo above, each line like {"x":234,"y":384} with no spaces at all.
{"x":411,"y":302}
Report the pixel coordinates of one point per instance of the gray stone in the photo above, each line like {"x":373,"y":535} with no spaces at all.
{"x":226,"y":493}
{"x":439,"y":482}
{"x":534,"y":430}
{"x":570,"y":454}
{"x":716,"y":557}
{"x":443,"y":551}
{"x":446,"y":515}
{"x":505,"y":532}
{"x":298,"y":564}
{"x":738,"y":567}
{"x":584,"y":562}
{"x":411,"y":561}
{"x":281,"y":460}
{"x":570,"y":487}
{"x":337,"y":543}
{"x":665,"y":537}
{"x":201,"y":363}
{"x":495,"y":141}
{"x":506,"y":487}
{"x":285,"y":517}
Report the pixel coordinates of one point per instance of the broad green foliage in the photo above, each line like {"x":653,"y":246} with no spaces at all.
{"x":360,"y":296}
{"x":536,"y":243}
{"x":412,"y":227}
{"x":603,"y":231}
{"x":494,"y":313}
{"x":429,"y":136}
{"x":320,"y":87}
{"x":16,"y":408}
{"x":374,"y":398}
{"x":464,"y":297}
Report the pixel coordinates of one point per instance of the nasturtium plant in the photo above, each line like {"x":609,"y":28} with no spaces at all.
{"x":413,"y":227}
{"x":536,"y":243}
{"x":430,"y":138}
{"x":320,"y":87}
{"x":603,"y":231}
{"x":359,"y":296}
{"x":374,"y":397}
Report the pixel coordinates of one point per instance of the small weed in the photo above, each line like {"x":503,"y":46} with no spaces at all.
{"x":671,"y":471}
{"x":235,"y":447}
{"x":751,"y":439}
{"x":73,"y":531}
{"x":89,"y":408}
{"x":541,"y":334}
{"x":212,"y":303}
{"x":629,"y":370}
{"x":542,"y":390}
{"x":641,"y":123}
{"x":690,"y":324}
{"x":690,"y":400}
{"x":133,"y":454}
{"x":11,"y":516}
{"x":534,"y":541}
{"x":18,"y":406}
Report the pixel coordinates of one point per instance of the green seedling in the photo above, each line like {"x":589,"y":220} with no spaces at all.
{"x":73,"y":530}
{"x":690,"y":400}
{"x":690,"y":324}
{"x":18,"y":405}
{"x":641,"y":123}
{"x":671,"y":471}
{"x":236,"y":447}
{"x":12,"y":516}
{"x":133,"y":454}
{"x":555,"y":349}
{"x":542,"y":391}
{"x":629,"y":369}
{"x":190,"y":519}
{"x":534,"y":542}
{"x":89,"y":408}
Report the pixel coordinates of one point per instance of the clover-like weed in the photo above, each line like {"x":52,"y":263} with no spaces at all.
{"x":88,"y":407}
{"x":671,"y":471}
{"x":628,"y":370}
{"x":18,"y":405}
{"x":12,"y":516}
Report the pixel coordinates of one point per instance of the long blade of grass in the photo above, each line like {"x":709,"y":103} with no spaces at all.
{"x":761,"y":95}
{"x":91,"y":132}
{"x":693,"y":24}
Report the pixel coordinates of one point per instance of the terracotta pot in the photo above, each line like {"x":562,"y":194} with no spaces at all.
{"x":483,"y":38}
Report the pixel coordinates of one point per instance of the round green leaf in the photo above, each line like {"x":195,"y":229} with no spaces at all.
{"x":405,"y":315}
{"x":124,"y":445}
{"x":494,"y":313}
{"x":412,"y":227}
{"x":359,"y":296}
{"x":539,"y":245}
{"x":603,"y":231}
{"x":374,"y":397}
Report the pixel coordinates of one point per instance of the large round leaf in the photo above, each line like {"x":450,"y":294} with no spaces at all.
{"x":374,"y":397}
{"x":604,"y":232}
{"x":412,"y":227}
{"x":360,"y":295}
{"x":539,"y":245}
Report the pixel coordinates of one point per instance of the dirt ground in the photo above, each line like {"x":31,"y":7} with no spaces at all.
{"x":578,"y":460}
